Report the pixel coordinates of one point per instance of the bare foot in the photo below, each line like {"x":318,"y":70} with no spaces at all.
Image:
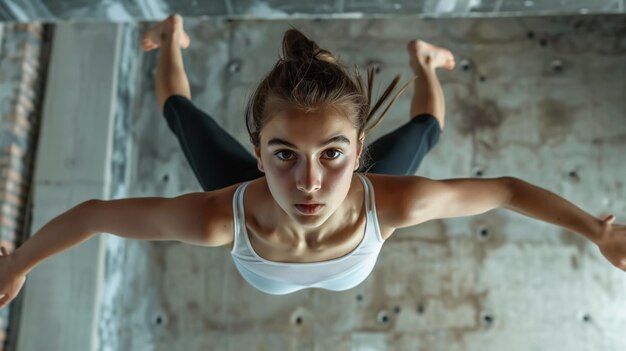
{"x":423,"y":53}
{"x":173,"y":25}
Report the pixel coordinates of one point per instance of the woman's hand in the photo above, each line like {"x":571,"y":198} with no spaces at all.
{"x":612,"y":242}
{"x":11,"y":282}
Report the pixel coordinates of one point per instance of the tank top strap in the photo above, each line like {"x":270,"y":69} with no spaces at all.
{"x":373,"y":229}
{"x":239,"y":216}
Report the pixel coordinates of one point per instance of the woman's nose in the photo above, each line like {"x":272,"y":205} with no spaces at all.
{"x":309,"y":177}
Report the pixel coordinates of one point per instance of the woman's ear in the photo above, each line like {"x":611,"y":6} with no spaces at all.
{"x":360,"y":145}
{"x":259,"y":163}
{"x":359,"y":150}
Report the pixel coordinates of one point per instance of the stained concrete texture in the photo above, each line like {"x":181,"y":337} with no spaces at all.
{"x":152,"y":10}
{"x":541,"y":99}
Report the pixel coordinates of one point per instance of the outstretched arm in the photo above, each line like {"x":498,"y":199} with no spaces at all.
{"x":424,"y":199}
{"x":194,"y":218}
{"x":187,"y":218}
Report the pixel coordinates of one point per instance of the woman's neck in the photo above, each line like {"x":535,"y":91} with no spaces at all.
{"x":277,"y":223}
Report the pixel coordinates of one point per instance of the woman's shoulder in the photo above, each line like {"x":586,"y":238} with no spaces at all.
{"x":381,"y":183}
{"x":222,"y":213}
{"x":223,"y":200}
{"x":386,"y":192}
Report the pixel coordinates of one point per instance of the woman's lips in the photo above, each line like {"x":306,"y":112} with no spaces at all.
{"x":309,"y":209}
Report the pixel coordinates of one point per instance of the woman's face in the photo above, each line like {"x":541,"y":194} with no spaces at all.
{"x":308,"y":158}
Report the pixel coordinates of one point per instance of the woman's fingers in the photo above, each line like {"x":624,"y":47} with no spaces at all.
{"x":5,"y":300}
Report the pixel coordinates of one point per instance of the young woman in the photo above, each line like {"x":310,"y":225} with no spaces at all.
{"x":300,"y":214}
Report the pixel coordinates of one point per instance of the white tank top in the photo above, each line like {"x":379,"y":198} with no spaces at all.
{"x":279,"y":278}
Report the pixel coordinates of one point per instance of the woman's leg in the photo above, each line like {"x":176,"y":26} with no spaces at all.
{"x":401,"y":151}
{"x":216,"y":158}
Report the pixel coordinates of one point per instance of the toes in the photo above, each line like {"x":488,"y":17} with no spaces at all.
{"x":184,"y":41}
{"x":149,"y":47}
{"x":176,"y":21}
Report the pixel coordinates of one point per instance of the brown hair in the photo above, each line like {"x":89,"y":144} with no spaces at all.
{"x":310,"y":78}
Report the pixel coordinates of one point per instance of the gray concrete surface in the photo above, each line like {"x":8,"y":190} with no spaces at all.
{"x":152,"y":10}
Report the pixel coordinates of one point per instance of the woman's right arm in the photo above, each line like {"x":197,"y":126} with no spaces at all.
{"x":196,"y":218}
{"x":191,"y":218}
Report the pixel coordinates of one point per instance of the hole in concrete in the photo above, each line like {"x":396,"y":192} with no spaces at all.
{"x":396,"y":309}
{"x":359,"y":297}
{"x":482,"y":78}
{"x":376,"y":65}
{"x":543,"y":42}
{"x":298,"y":320}
{"x":574,"y":175}
{"x":166,"y":178}
{"x":420,"y":309}
{"x":557,"y":65}
{"x":586,"y":318}
{"x":487,"y":318}
{"x":465,"y":65}
{"x":317,"y":19}
{"x":530,"y":35}
{"x":382,"y":317}
{"x":158,"y":320}
{"x":234,"y":66}
{"x":484,"y":232}
{"x":479,"y":173}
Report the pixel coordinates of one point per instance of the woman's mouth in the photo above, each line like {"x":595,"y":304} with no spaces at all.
{"x":309,"y":209}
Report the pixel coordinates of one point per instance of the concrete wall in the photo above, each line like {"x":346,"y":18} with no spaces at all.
{"x":63,"y":295}
{"x":541,"y":99}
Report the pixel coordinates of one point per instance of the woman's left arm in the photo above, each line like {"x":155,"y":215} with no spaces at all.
{"x":425,"y":199}
{"x":541,"y":204}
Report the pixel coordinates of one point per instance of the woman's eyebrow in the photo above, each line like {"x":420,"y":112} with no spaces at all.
{"x":336,"y":139}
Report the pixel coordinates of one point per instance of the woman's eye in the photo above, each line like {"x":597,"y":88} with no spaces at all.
{"x":282,"y":152}
{"x":335,"y":152}
{"x":328,"y":153}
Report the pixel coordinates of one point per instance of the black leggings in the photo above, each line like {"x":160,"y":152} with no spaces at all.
{"x":218,"y":160}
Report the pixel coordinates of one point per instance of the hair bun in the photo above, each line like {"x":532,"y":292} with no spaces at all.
{"x":297,"y":47}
